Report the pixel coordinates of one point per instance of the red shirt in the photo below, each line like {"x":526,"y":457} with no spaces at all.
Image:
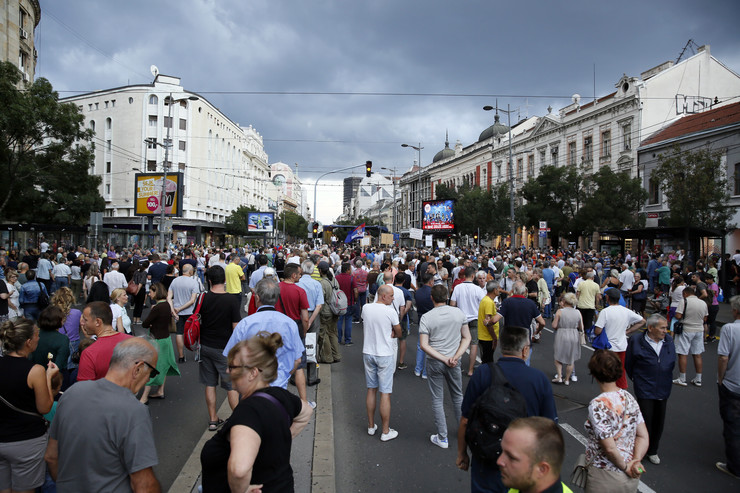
{"x":347,"y":284}
{"x":95,"y":359}
{"x":294,"y":300}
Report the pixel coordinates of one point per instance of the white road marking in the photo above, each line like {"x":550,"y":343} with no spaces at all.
{"x":642,"y":487}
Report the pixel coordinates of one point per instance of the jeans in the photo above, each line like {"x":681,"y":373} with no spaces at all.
{"x":344,"y":326}
{"x":421,"y":358}
{"x":712,"y":320}
{"x":438,"y":373}
{"x":361,"y":300}
{"x":59,"y":282}
{"x":729,"y":410}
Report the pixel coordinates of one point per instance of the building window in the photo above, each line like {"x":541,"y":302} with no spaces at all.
{"x":653,"y":192}
{"x":572,"y":153}
{"x":519,"y":168}
{"x":530,"y":166}
{"x":498,"y":171}
{"x":108,"y":167}
{"x":97,"y":106}
{"x":107,"y":189}
{"x":89,"y":107}
{"x":108,"y":123}
{"x":106,"y":104}
{"x":113,"y":103}
{"x":183,"y":124}
{"x":92,"y":125}
{"x":152,"y":121}
{"x":181,"y":166}
{"x":182,"y":145}
{"x":130,"y":100}
{"x":554,"y":156}
{"x":737,"y":179}
{"x":151,"y":143}
{"x":167,"y":122}
{"x":153,"y":99}
{"x":151,"y":165}
{"x":108,"y":145}
{"x":606,"y":143}
{"x":22,"y":18}
{"x":543,"y":156}
{"x":627,"y":136}
{"x":588,"y":149}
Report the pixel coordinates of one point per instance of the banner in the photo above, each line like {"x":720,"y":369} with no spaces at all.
{"x":148,"y":194}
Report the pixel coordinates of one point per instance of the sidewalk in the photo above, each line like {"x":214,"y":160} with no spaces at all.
{"x":312,"y":453}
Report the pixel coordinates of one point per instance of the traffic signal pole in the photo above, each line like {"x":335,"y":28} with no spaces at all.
{"x":315,"y":185}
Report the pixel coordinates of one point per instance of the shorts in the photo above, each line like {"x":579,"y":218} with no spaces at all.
{"x":379,"y":372}
{"x":404,"y":328}
{"x":690,"y":342}
{"x":22,"y":465}
{"x":180,"y":324}
{"x":212,"y":367}
{"x":473,"y":326}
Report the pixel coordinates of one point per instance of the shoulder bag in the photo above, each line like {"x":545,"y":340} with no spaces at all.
{"x":191,"y":331}
{"x":579,"y":476}
{"x":676,"y":324}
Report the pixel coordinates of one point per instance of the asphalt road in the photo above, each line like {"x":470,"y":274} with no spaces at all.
{"x":691,"y":444}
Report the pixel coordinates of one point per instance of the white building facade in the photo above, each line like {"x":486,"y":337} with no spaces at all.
{"x":223,"y":164}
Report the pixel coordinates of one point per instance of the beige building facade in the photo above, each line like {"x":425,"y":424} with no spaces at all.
{"x":18,"y":21}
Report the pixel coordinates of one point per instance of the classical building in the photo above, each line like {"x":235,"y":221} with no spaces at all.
{"x":287,"y":190}
{"x":716,"y":130}
{"x":18,"y":21}
{"x":223,"y":164}
{"x":602,"y":132}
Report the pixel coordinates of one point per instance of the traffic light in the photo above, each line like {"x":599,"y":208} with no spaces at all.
{"x":475,"y":236}
{"x":368,"y":168}
{"x":315,"y":228}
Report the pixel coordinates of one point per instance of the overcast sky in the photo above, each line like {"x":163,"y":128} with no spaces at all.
{"x":527,"y":54}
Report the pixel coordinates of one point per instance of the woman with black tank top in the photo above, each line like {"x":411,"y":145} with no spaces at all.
{"x":25,"y":395}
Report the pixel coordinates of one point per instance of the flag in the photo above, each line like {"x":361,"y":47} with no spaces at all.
{"x":358,"y":232}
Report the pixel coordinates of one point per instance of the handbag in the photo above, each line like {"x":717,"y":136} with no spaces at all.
{"x":579,"y":476}
{"x":191,"y":332}
{"x":601,"y":341}
{"x":43,"y":300}
{"x":133,"y":288}
{"x":676,"y":324}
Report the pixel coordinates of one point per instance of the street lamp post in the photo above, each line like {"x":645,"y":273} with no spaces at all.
{"x":418,"y":190}
{"x":393,"y":170}
{"x":511,"y":172}
{"x":166,"y":165}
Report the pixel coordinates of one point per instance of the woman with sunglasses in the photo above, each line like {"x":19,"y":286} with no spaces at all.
{"x":158,"y":323}
{"x":252,"y":448}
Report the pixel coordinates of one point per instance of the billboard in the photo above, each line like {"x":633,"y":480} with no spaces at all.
{"x":147,"y":194}
{"x":438,"y":216}
{"x":261,"y":222}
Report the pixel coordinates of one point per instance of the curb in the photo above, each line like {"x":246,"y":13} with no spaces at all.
{"x":189,"y":476}
{"x":322,"y":472}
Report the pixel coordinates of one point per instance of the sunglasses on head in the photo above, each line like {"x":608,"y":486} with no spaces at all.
{"x":153,"y":372}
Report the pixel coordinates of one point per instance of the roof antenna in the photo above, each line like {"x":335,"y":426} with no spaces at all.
{"x":690,"y":43}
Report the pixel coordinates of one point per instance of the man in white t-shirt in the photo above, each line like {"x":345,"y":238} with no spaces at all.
{"x":467,"y":297}
{"x":381,"y":329}
{"x":694,"y":314}
{"x":626,"y":281}
{"x":619,"y":322}
{"x":114,"y":279}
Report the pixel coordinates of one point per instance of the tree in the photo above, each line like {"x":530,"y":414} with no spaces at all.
{"x":236,"y":223}
{"x":554,"y":196}
{"x":295,"y":225}
{"x":695,"y":187}
{"x":611,"y":201}
{"x":43,"y":161}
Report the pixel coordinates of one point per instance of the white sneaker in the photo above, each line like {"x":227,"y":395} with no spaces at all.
{"x":424,"y":377}
{"x":439,"y":442}
{"x":384,"y":437}
{"x":573,"y":378}
{"x":696,"y":382}
{"x":417,"y":373}
{"x":680,"y":382}
{"x":654,"y":459}
{"x":371,"y":431}
{"x":312,"y":404}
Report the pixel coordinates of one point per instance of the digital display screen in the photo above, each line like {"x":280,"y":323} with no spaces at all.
{"x":438,"y":215}
{"x":260,"y":222}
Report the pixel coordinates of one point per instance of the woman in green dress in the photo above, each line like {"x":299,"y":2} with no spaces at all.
{"x":158,"y":323}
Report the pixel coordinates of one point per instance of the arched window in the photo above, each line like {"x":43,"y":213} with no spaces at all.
{"x":108,"y":123}
{"x":92,"y":125}
{"x":153,"y":99}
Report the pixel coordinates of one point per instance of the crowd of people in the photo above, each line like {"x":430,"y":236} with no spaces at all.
{"x":69,"y":320}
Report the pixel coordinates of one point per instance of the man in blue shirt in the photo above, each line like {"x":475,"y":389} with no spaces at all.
{"x":534,"y":386}
{"x":259,"y":273}
{"x":549,"y":276}
{"x":267,"y":318}
{"x":424,"y":303}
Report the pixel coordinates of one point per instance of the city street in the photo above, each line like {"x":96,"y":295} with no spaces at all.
{"x":691,"y":444}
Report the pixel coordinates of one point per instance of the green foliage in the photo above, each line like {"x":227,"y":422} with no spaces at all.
{"x":44,"y":165}
{"x":611,"y":201}
{"x":236,"y":223}
{"x":296,"y":226}
{"x":554,"y":196}
{"x":695,"y":187}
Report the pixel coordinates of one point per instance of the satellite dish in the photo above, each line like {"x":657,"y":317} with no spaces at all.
{"x":154,"y":70}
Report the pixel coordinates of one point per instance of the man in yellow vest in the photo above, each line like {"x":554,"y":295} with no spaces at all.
{"x":532,"y":455}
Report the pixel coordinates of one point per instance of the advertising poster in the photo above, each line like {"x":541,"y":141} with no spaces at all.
{"x":260,"y":222}
{"x":438,"y":216}
{"x":147,"y":194}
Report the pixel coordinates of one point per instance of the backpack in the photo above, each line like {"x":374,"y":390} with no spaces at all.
{"x":191,"y":332}
{"x":338,"y":302}
{"x":492,"y":412}
{"x":43,"y":300}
